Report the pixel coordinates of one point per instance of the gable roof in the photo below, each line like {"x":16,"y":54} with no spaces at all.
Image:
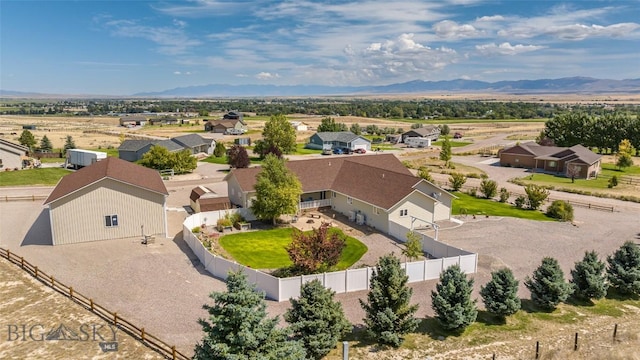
{"x":423,"y":131}
{"x":340,"y":136}
{"x":585,"y":154}
{"x":14,"y":145}
{"x":227,"y":123}
{"x":134,"y":145}
{"x":576,"y":152}
{"x":190,"y":140}
{"x":380,"y":179}
{"x":112,"y":168}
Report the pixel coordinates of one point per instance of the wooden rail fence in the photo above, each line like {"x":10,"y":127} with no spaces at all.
{"x":149,"y":340}
{"x":7,"y":198}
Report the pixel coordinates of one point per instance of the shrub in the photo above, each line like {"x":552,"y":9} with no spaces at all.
{"x":457,"y":180}
{"x":520,"y":201}
{"x":536,"y":195}
{"x":613,"y":182}
{"x":222,"y":223}
{"x":489,"y":188}
{"x":195,"y":230}
{"x":504,"y":195}
{"x":561,"y":210}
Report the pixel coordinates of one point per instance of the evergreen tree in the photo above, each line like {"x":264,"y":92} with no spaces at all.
{"x":413,"y":246}
{"x":27,"y":139}
{"x":389,"y":313}
{"x":69,"y":144}
{"x":623,"y":271}
{"x":452,"y":299}
{"x":277,"y":190}
{"x":445,"y":151}
{"x":445,"y":130}
{"x":219,"y":150}
{"x":355,"y":128}
{"x":329,"y":124}
{"x":45,"y":144}
{"x":238,"y":327}
{"x":317,"y":321}
{"x":548,"y":287}
{"x":500,"y":295}
{"x":588,"y":277}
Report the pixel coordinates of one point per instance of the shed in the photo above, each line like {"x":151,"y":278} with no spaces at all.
{"x":203,"y":199}
{"x":111,"y":199}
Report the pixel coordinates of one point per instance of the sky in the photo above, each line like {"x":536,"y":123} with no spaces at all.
{"x":123,"y":47}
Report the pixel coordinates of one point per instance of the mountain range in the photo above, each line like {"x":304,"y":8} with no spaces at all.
{"x":568,"y":85}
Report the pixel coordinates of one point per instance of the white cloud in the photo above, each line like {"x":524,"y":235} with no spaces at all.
{"x":452,"y":30}
{"x":267,"y":76}
{"x":490,"y":18}
{"x":506,"y":49}
{"x":581,"y":32}
{"x":170,"y":40}
{"x":242,"y":75}
{"x":177,"y":73}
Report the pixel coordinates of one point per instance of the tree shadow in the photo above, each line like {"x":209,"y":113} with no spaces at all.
{"x":40,"y":231}
{"x":614,"y":294}
{"x":528,"y":306}
{"x":489,"y":319}
{"x":579,"y":301}
{"x":432,"y":327}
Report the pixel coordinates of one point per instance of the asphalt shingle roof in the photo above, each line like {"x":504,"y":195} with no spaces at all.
{"x":341,"y":136}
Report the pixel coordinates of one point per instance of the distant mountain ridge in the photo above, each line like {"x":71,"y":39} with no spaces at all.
{"x":566,"y":85}
{"x":562,"y":85}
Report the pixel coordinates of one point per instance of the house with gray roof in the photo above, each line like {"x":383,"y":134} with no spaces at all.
{"x":338,"y":139}
{"x":576,"y":161}
{"x":133,"y":150}
{"x":12,"y":155}
{"x":428,"y":132}
{"x":374,"y":190}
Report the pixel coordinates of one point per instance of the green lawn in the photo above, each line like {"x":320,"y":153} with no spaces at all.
{"x":43,"y":176}
{"x":454,"y":143}
{"x":478,"y":206}
{"x":301,"y":150}
{"x":612,"y":169}
{"x":266,"y":249}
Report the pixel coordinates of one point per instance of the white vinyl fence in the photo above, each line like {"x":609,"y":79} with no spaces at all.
{"x":282,"y":289}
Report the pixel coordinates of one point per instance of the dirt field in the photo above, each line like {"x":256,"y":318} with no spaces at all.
{"x":25,"y":302}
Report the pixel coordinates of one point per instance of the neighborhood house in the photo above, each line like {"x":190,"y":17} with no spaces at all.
{"x":13,"y":156}
{"x":375,"y":190}
{"x":133,"y":150}
{"x":111,"y":199}
{"x":576,"y":161}
{"x":340,"y":139}
{"x":430,"y":132}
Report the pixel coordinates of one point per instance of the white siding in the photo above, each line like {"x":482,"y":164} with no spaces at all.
{"x":417,"y":205}
{"x":80,"y":217}
{"x":379,"y":222}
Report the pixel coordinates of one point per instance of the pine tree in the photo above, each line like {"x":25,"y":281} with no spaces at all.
{"x":389,"y":314}
{"x":588,"y":277}
{"x":623,"y":271}
{"x":500,"y":295}
{"x":27,"y":139}
{"x":69,"y":144}
{"x":317,"y":321}
{"x":548,"y":287}
{"x":45,"y":144}
{"x":452,"y":299}
{"x":238,"y":327}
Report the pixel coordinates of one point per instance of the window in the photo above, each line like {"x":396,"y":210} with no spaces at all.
{"x":552,"y":163}
{"x":334,"y":194}
{"x":111,"y":220}
{"x":376,"y":210}
{"x":404,"y":212}
{"x":349,"y":200}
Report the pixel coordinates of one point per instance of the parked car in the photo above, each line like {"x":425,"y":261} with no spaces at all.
{"x":360,"y":151}
{"x":347,"y":151}
{"x":326,"y":152}
{"x":457,"y":135}
{"x":338,"y":151}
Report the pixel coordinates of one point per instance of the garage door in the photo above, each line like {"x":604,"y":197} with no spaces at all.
{"x":360,"y":146}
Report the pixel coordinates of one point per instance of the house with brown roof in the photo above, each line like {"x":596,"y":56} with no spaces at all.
{"x":576,"y":161}
{"x":226,"y":126}
{"x":431,"y":132}
{"x":110,"y":199}
{"x":376,"y":190}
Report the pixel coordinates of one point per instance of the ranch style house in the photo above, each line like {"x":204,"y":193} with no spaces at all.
{"x":374,"y":190}
{"x":576,"y":161}
{"x":339,"y":139}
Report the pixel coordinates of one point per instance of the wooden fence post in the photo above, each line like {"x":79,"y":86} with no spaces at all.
{"x":142,"y":333}
{"x":173,"y":352}
{"x":537,"y":349}
{"x":22,"y":262}
{"x":615,"y":331}
{"x":115,"y":318}
{"x":71,"y":292}
{"x":91,"y":303}
{"x":53,"y":281}
{"x":575,"y":343}
{"x":36,"y":272}
{"x":9,"y":254}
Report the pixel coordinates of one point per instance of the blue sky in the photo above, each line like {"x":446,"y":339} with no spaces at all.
{"x":124,"y":47}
